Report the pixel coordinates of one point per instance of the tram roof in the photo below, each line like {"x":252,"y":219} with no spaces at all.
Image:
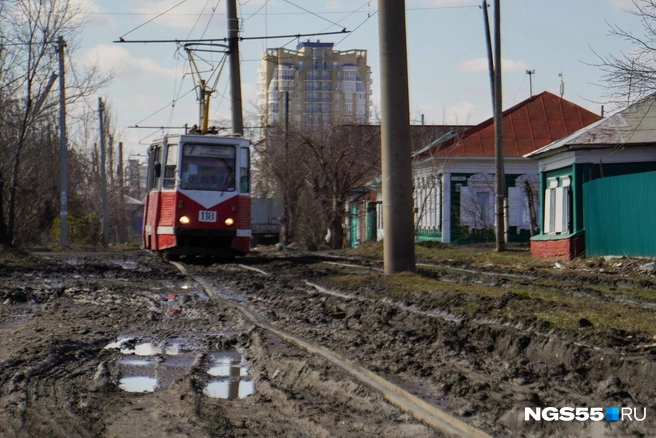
{"x":205,"y":138}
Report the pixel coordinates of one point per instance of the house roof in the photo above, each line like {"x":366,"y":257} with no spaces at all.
{"x":633,"y":126}
{"x":527,"y":126}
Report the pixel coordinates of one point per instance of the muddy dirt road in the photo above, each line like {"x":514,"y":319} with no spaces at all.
{"x":126,"y":345}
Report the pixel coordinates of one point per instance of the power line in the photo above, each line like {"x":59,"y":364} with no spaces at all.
{"x":300,"y":35}
{"x":312,"y":13}
{"x":356,"y":28}
{"x":167,"y":105}
{"x":154,"y":18}
{"x":198,"y":19}
{"x":256,"y":12}
{"x":145,"y":14}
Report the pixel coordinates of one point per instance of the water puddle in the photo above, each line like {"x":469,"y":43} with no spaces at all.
{"x":233,"y":296}
{"x":229,"y":389}
{"x":126,"y":264}
{"x":74,"y":261}
{"x":150,"y":366}
{"x":227,"y":364}
{"x":136,"y":362}
{"x":138,"y":384}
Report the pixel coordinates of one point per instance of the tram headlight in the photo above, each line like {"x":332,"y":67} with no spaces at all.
{"x":184,"y":220}
{"x":229,"y":221}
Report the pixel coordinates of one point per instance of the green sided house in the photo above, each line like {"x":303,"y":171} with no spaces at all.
{"x":454,"y":175}
{"x":597,"y":188}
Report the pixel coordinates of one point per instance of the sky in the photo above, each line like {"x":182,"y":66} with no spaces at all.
{"x":447,"y":65}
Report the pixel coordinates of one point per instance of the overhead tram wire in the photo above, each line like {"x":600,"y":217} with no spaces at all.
{"x":256,"y":12}
{"x":435,"y":8}
{"x":348,"y":15}
{"x":154,"y":18}
{"x":313,"y":13}
{"x":178,"y":41}
{"x":357,"y":27}
{"x":207,"y":25}
{"x":166,"y":106}
{"x":198,"y":19}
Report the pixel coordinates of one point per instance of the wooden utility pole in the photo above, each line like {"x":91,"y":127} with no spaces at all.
{"x":103,"y":180}
{"x":235,"y":73}
{"x":398,"y":242}
{"x":500,"y":182}
{"x":63,"y":160}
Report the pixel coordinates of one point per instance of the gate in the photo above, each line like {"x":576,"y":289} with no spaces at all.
{"x":619,"y":215}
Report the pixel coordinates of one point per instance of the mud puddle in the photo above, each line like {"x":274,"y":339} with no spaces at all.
{"x":150,"y":366}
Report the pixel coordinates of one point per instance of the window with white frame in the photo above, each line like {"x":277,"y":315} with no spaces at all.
{"x":477,"y":202}
{"x":522,"y":215}
{"x":557,"y":212}
{"x":427,"y":201}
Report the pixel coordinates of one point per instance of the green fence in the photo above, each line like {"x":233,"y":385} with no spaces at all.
{"x":619,"y":214}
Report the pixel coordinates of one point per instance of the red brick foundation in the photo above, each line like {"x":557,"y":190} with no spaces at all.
{"x":566,"y":249}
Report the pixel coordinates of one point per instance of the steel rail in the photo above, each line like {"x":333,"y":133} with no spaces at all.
{"x":397,"y":396}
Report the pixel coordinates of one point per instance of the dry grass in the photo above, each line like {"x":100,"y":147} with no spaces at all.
{"x":562,"y":298}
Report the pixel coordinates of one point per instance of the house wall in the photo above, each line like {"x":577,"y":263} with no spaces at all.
{"x":459,"y":234}
{"x":573,"y":244}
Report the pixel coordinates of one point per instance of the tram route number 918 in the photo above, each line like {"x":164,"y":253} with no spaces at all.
{"x":207,"y":216}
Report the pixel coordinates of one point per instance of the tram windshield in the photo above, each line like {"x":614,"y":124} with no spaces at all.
{"x":208,"y":167}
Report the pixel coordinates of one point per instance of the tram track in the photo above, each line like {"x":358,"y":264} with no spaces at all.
{"x":476,"y":366}
{"x":397,"y":396}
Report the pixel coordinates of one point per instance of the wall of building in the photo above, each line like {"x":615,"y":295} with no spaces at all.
{"x":314,"y":84}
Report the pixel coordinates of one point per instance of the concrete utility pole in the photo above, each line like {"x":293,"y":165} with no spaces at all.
{"x":500,"y":182}
{"x":399,"y":239}
{"x":488,"y":45}
{"x":103,"y":180}
{"x":63,"y":161}
{"x":235,"y":73}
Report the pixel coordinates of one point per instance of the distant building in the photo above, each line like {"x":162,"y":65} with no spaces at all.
{"x":314,"y":84}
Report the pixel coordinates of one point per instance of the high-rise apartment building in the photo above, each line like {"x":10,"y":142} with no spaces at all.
{"x":314,"y":84}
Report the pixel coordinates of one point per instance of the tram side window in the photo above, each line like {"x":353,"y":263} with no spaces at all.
{"x":171,"y":166}
{"x":154,"y":168}
{"x":244,"y":178}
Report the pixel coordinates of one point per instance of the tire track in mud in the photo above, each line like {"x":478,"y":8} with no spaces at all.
{"x":524,"y":363}
{"x":419,"y":409}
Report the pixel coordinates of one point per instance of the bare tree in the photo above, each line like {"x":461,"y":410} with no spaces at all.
{"x":30,"y":29}
{"x":630,"y":76}
{"x":280,"y":175}
{"x":338,"y":159}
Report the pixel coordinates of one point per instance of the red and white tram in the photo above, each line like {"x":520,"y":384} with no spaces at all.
{"x":198,"y":200}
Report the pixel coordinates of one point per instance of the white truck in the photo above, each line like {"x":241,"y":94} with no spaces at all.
{"x":265,"y":227}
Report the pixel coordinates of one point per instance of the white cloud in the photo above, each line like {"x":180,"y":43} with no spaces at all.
{"x":119,"y":61}
{"x":623,"y":5}
{"x":95,"y":15}
{"x":480,"y":65}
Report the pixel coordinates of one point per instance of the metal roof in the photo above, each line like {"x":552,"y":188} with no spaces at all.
{"x":634,"y":125}
{"x":527,"y":126}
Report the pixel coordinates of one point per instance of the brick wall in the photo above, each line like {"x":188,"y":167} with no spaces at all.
{"x":565,"y":249}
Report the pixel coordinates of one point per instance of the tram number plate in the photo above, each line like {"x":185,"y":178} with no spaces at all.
{"x":207,"y":216}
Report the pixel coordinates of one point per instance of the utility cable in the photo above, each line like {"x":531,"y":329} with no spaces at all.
{"x":256,"y":12}
{"x":310,"y":12}
{"x":198,"y":19}
{"x":356,"y":28}
{"x":210,"y":19}
{"x":154,"y":18}
{"x":165,"y":106}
